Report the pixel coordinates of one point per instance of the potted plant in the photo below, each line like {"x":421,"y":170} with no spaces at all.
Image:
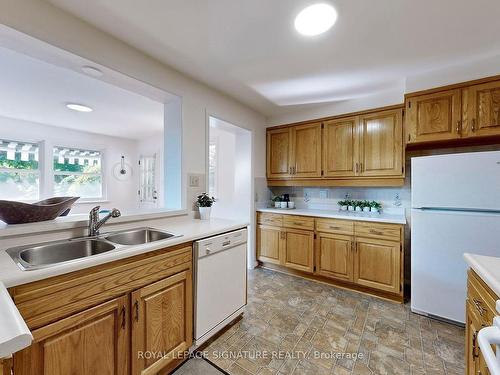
{"x":375,"y":206}
{"x":358,"y":206}
{"x":277,"y":202}
{"x":204,"y":203}
{"x":343,"y":205}
{"x":350,"y":205}
{"x":366,"y":206}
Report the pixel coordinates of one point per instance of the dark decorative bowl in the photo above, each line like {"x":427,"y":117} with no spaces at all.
{"x":13,"y":212}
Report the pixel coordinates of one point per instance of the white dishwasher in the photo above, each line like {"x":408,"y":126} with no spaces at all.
{"x":220,"y":282}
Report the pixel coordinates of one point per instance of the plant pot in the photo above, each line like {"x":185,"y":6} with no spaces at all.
{"x":291,"y":204}
{"x":343,"y":208}
{"x":366,"y":209}
{"x":350,"y":208}
{"x":359,"y":209}
{"x":277,"y":204}
{"x":283,"y":204}
{"x":205,"y":213}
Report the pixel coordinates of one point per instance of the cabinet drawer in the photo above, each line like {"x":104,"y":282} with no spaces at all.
{"x":335,"y":226}
{"x":376,"y":230}
{"x":481,"y":299}
{"x":298,"y":222}
{"x":269,"y":219}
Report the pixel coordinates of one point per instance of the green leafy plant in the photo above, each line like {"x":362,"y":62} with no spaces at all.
{"x":204,"y":200}
{"x":276,"y":199}
{"x":365,"y":203}
{"x":344,"y":202}
{"x":375,"y":206}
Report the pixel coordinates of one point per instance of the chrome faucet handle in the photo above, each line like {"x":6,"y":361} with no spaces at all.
{"x":115,"y":212}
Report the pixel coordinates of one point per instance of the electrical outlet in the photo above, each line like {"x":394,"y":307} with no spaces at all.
{"x":194,"y":180}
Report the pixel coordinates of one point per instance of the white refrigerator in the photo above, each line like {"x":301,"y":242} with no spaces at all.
{"x":455,"y":210}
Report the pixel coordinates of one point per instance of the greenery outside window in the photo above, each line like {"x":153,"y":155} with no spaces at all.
{"x":19,"y":171}
{"x":78,"y":172}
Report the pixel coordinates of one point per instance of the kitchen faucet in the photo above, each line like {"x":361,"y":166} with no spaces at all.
{"x":95,"y":223}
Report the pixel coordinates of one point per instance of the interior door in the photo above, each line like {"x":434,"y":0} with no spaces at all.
{"x":340,"y":147}
{"x":334,"y":256}
{"x":279,"y":153}
{"x":433,"y":117}
{"x":381,"y":144}
{"x":483,"y":114}
{"x":299,"y":249}
{"x":377,"y":264}
{"x":162,"y":324}
{"x":92,"y":342}
{"x":269,"y":244}
{"x":306,"y":143}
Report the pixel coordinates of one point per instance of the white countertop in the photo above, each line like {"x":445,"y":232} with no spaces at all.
{"x":488,"y":268}
{"x":191,"y":229}
{"x":336,"y":214}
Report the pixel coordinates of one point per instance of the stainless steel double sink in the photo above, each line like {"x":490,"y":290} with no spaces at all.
{"x":47,"y":254}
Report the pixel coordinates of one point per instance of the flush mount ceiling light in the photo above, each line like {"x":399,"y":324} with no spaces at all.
{"x":92,"y":71}
{"x":315,"y":19}
{"x":79,"y":107}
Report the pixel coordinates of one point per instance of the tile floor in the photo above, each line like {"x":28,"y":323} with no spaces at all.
{"x":296,"y":326}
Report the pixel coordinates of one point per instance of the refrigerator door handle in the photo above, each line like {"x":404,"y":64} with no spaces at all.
{"x":490,"y":336}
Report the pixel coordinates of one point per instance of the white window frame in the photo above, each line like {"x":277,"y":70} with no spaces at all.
{"x":103,"y":197}
{"x":214,"y":142}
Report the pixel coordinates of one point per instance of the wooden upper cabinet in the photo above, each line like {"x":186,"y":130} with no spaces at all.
{"x":299,"y":249}
{"x":377,"y":264}
{"x":334,"y":256}
{"x":94,"y":341}
{"x":482,"y":109}
{"x":279,"y":153}
{"x":340,"y":147}
{"x":162,"y":324}
{"x":306,"y":150}
{"x":381,"y":144}
{"x":433,"y":117}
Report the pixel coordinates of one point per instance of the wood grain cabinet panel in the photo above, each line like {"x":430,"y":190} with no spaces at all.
{"x":433,"y":117}
{"x":279,"y":153}
{"x":334,"y":256}
{"x":94,"y":341}
{"x":381,"y":140}
{"x":377,"y":264}
{"x":299,"y":250}
{"x":306,"y":146}
{"x":161,"y":324}
{"x":269,"y":244}
{"x":340,"y":147}
{"x":483,"y":109}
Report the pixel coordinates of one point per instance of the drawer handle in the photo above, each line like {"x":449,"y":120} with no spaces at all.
{"x":373,"y":231}
{"x":136,"y":306}
{"x":124,"y":319}
{"x":332,"y":227}
{"x":297,"y":223}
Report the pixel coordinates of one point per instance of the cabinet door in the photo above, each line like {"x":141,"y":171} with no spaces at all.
{"x":483,"y":109}
{"x":334,"y":256}
{"x":381,"y":144}
{"x":279,"y":153}
{"x":471,"y":330}
{"x":162,"y":324}
{"x":306,"y":146}
{"x":269,"y":244}
{"x":299,"y":249}
{"x":92,"y":342}
{"x":377,"y":264}
{"x":340,"y":147}
{"x":433,"y":117}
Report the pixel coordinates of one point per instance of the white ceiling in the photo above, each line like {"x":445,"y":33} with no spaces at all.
{"x":34,"y":90}
{"x":250,"y":50}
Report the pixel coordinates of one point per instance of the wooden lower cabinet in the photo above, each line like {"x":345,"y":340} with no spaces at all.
{"x":366,"y":256}
{"x":94,"y":341}
{"x":334,"y":256}
{"x":162,"y":328}
{"x":299,"y":249}
{"x":377,"y":264}
{"x":269,"y":244}
{"x":133,"y":315}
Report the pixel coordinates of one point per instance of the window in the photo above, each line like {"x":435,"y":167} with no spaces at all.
{"x":212,"y":168}
{"x":78,"y":173}
{"x":19,"y":171}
